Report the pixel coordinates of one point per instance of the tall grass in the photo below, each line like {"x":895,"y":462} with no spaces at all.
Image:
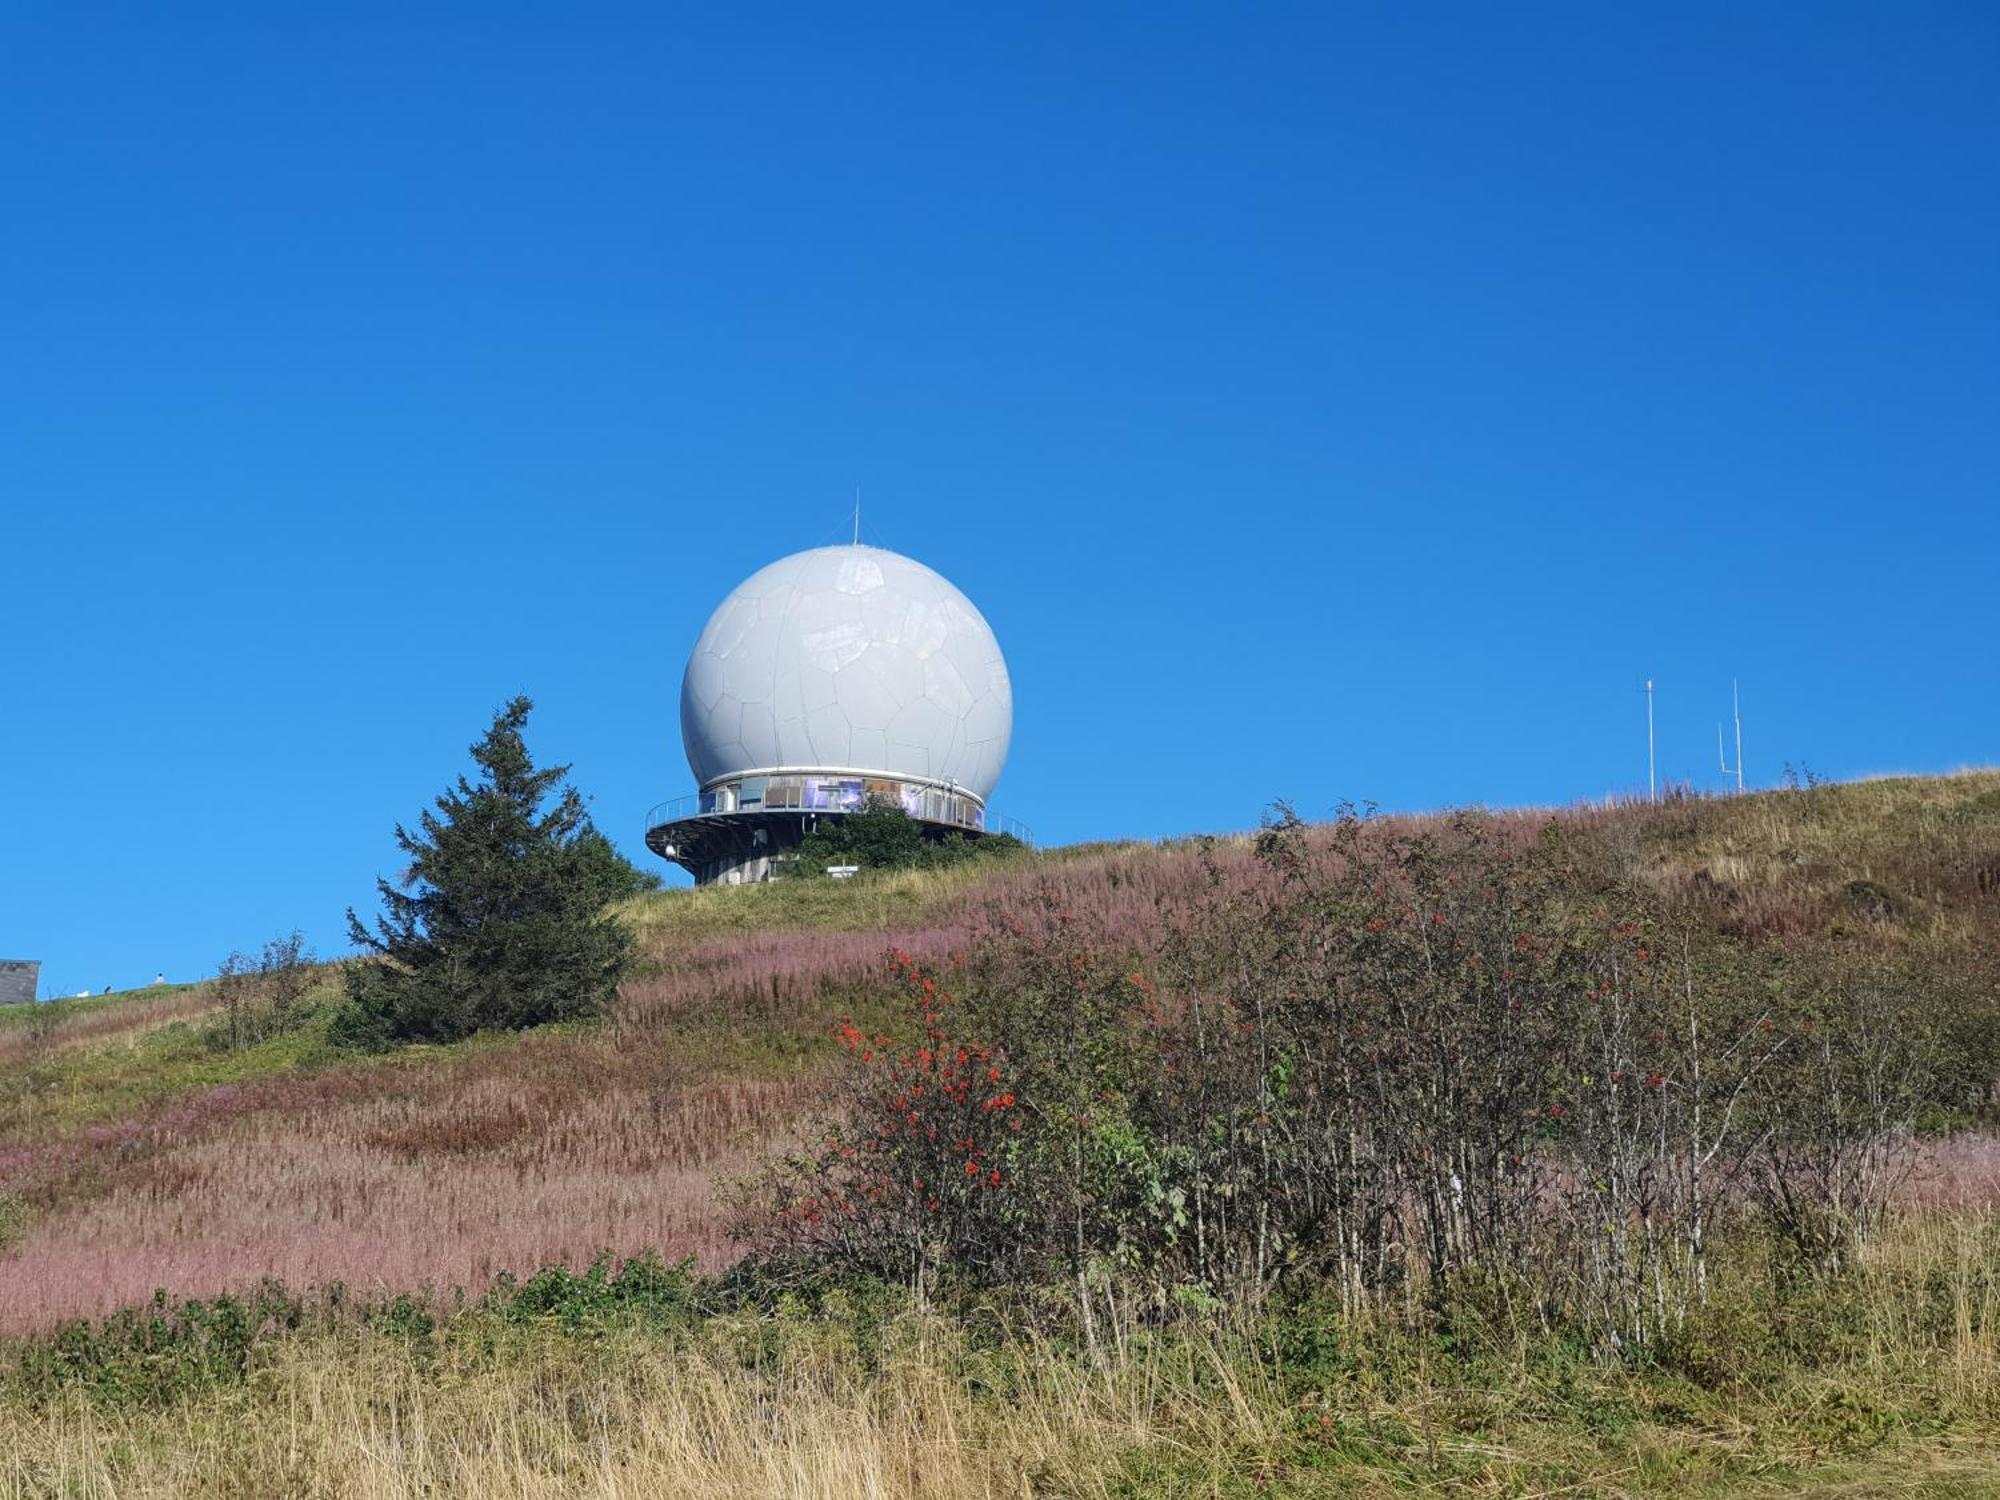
{"x":29,"y":1031}
{"x":634,"y":1416}
{"x":1894,"y":1387}
{"x":402,"y":1177}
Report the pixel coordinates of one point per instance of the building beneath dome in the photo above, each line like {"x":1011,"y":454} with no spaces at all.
{"x":827,"y":681}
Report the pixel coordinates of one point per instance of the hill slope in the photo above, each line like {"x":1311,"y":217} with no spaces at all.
{"x":133,"y":1156}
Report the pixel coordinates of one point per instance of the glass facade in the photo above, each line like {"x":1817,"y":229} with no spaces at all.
{"x":842,"y":794}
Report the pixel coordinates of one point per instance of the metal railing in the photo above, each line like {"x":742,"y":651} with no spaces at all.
{"x":676,"y":808}
{"x":704,"y":804}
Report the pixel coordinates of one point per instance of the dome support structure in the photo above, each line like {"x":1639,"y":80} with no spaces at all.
{"x":740,"y":847}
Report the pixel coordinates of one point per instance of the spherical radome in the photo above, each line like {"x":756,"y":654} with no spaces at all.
{"x":848,"y":658}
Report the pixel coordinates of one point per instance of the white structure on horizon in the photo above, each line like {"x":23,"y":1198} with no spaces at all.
{"x":824,"y":681}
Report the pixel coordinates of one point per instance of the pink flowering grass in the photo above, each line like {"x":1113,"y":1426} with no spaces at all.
{"x":1955,"y":1174}
{"x":771,"y":975}
{"x":393,"y":1177}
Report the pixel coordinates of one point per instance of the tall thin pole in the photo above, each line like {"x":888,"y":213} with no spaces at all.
{"x":1736,"y":707}
{"x":857,"y":515}
{"x":1721,"y":755}
{"x":1652,"y":786}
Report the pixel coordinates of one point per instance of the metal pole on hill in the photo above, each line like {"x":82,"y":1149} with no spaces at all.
{"x":1721,"y":758}
{"x":1736,"y":708}
{"x":1652,"y":787}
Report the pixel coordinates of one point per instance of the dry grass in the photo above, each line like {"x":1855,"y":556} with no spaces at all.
{"x":1902,"y":860}
{"x":804,"y":1408}
{"x":635,"y":1417}
{"x":29,"y":1032}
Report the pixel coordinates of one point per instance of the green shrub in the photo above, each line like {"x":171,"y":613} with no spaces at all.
{"x":641,"y":1289}
{"x":263,"y":994}
{"x":883,"y":837}
{"x":160,"y":1353}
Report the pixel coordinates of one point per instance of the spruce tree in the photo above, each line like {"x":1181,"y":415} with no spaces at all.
{"x":610,"y":874}
{"x":499,"y":920}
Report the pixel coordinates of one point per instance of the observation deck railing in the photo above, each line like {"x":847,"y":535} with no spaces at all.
{"x":703,"y":805}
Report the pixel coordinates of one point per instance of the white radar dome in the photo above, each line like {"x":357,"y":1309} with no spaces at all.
{"x":848,"y":659}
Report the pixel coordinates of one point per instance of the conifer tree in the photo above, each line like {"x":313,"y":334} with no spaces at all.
{"x":498,"y":922}
{"x":611,"y":874}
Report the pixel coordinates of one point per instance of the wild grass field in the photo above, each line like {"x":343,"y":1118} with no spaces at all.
{"x":591,"y":1395}
{"x":391,"y":1195}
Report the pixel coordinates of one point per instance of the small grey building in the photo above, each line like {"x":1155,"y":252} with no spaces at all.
{"x":18,"y":977}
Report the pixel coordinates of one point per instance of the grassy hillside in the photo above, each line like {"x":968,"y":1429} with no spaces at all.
{"x":135,"y":1156}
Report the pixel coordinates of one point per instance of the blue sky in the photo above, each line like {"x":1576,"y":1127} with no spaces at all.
{"x":1320,"y":402}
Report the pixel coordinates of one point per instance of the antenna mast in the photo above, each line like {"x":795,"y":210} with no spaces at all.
{"x":1736,"y":710}
{"x":1736,"y":707}
{"x":857,"y":515}
{"x":1652,"y":787}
